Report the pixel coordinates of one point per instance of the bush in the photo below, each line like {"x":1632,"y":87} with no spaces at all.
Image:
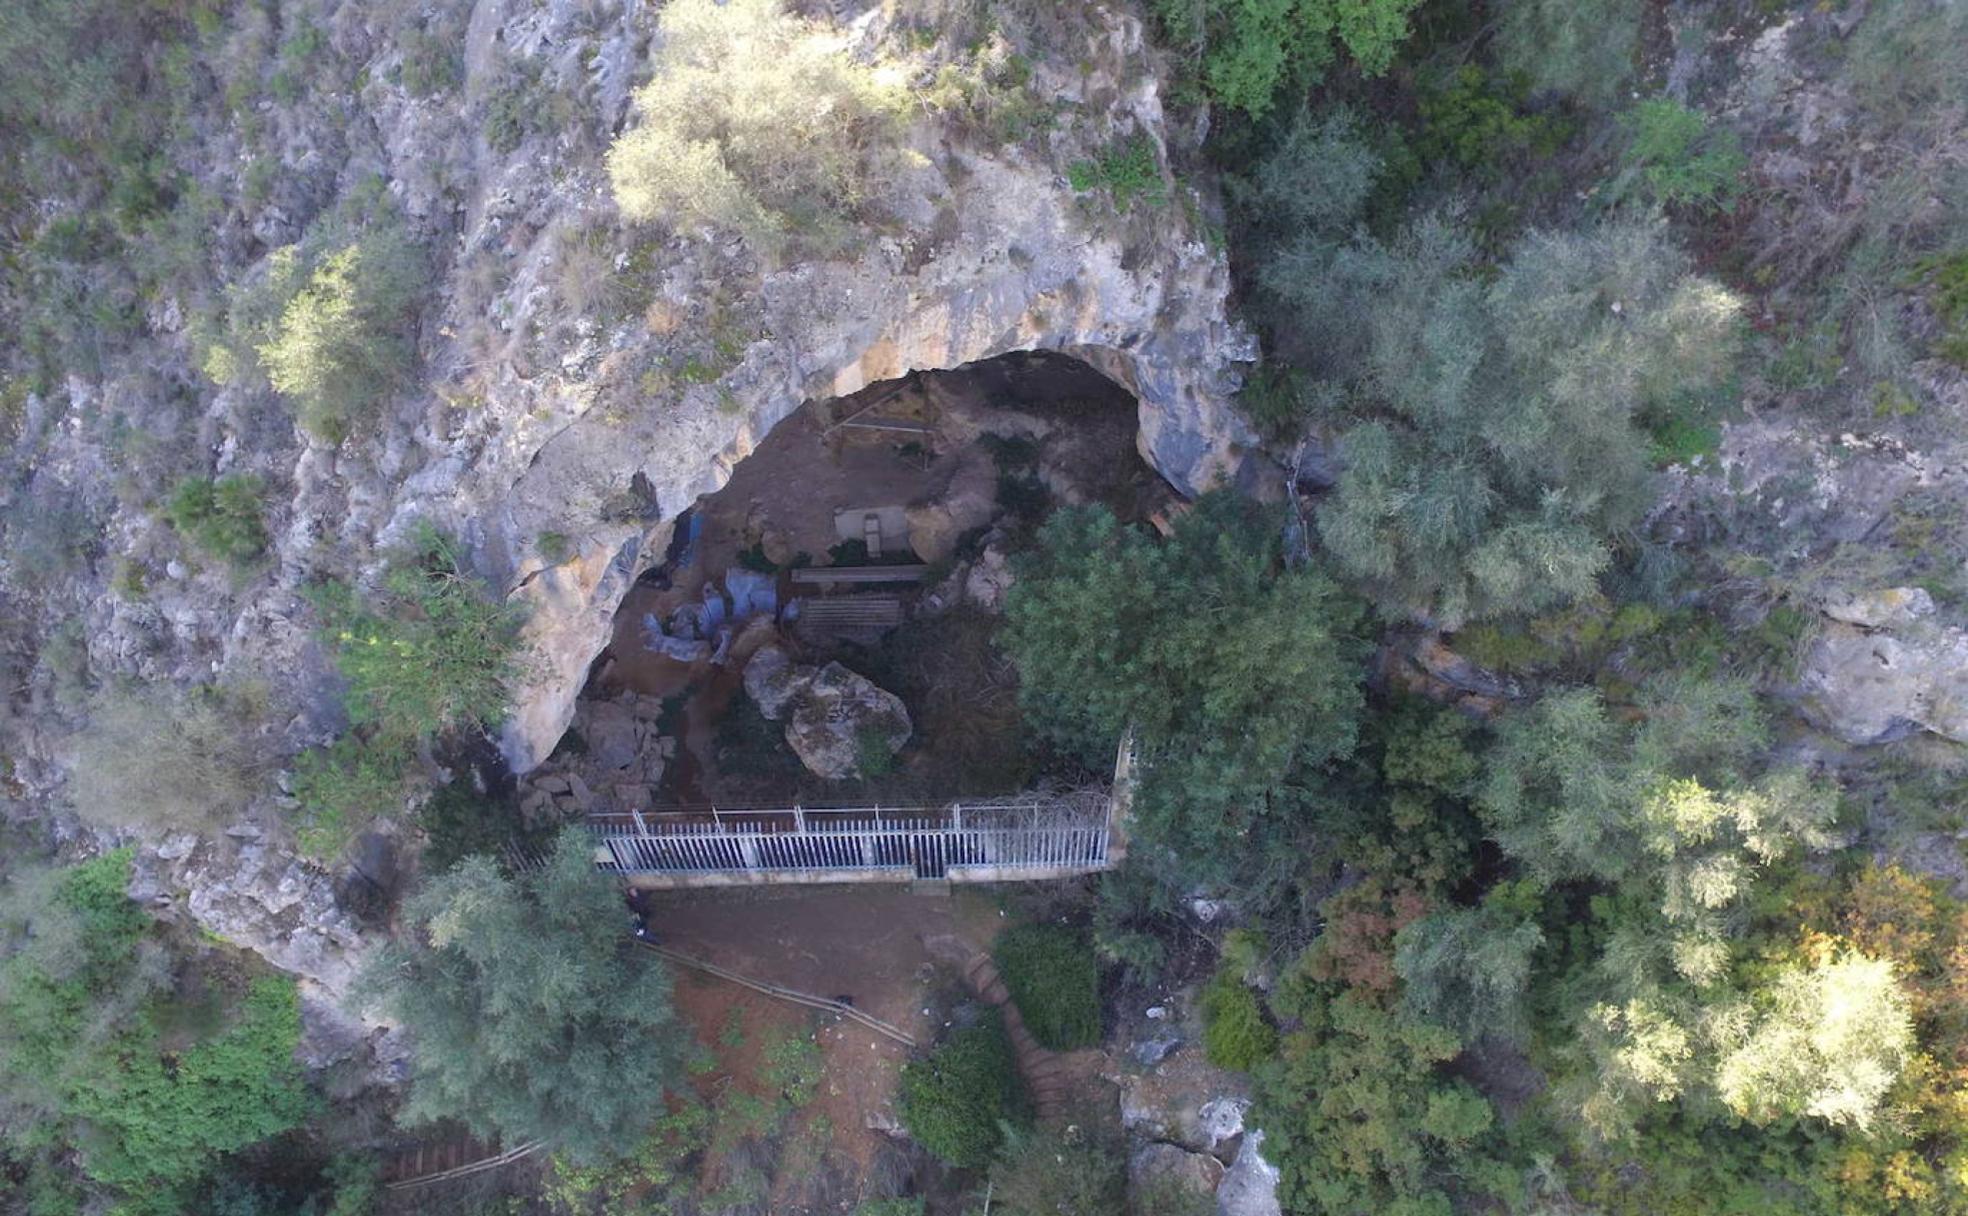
{"x":1587,"y":49}
{"x":222,"y":517}
{"x":1243,"y":52}
{"x":1073,"y":1170}
{"x":755,"y":122}
{"x":1127,"y":170}
{"x":957,"y":1100}
{"x":1055,"y":981}
{"x":1235,"y":1033}
{"x":154,"y":758}
{"x":344,"y":786}
{"x":339,"y":346}
{"x":432,"y":653}
{"x":1674,"y":156}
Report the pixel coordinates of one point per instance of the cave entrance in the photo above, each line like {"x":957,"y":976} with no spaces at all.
{"x":860,"y":554}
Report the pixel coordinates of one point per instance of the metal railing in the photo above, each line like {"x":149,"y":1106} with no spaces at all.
{"x":1026,"y":837}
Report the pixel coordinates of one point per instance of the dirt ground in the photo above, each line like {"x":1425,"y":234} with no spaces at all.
{"x":898,"y":955}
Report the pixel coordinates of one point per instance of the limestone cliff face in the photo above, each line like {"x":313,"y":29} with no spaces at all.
{"x":582,"y":380}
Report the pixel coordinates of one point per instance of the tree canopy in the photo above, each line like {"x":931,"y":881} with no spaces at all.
{"x":1233,"y":668}
{"x":535,"y":1016}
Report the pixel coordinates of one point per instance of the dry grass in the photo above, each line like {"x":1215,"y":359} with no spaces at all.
{"x":154,"y":758}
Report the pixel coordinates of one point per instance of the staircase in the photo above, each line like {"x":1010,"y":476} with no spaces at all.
{"x":1044,"y":1071}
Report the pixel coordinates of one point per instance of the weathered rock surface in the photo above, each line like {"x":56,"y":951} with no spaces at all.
{"x":1250,"y":1185}
{"x":1876,"y":685}
{"x":832,"y":714}
{"x":1156,"y":1167}
{"x":620,"y":769}
{"x":546,"y":408}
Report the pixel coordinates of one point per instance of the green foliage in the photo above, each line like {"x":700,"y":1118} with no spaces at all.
{"x":458,"y":822}
{"x":912,"y":1206}
{"x":221,"y":516}
{"x":957,"y":1100}
{"x":753,"y":121}
{"x":1235,"y":1032}
{"x":1075,"y":1169}
{"x":1359,"y":1114}
{"x":83,"y":1046}
{"x":1244,"y":52}
{"x":339,"y":347}
{"x":1586,"y":49}
{"x":1946,"y":276}
{"x":653,"y":1179}
{"x":1232,"y":672}
{"x":792,"y":1067}
{"x":1489,"y":431}
{"x":1468,"y":969}
{"x":1479,"y":120}
{"x":343,"y":786}
{"x":1127,"y":170}
{"x":1055,"y":982}
{"x":433,"y":651}
{"x":534,"y":1016}
{"x":1675,"y":157}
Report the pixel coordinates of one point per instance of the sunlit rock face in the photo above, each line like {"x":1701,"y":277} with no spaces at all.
{"x":999,"y":255}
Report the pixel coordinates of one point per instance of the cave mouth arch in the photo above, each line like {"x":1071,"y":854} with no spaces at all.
{"x":900,"y":491}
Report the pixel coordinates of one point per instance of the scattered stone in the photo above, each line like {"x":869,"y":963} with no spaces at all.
{"x":1150,"y":1052}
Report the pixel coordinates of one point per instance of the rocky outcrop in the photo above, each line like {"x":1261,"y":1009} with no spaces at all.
{"x":569,"y":387}
{"x":622,"y":761}
{"x":1250,"y":1185}
{"x":834,"y":717}
{"x":1881,"y":669}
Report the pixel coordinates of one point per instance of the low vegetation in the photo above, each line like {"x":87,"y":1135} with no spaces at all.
{"x":758,"y":123}
{"x":153,"y":757}
{"x":1055,"y":981}
{"x":223,"y":517}
{"x":430,"y":653}
{"x":958,"y":1101}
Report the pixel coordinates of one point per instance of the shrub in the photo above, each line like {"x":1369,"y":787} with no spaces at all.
{"x":1075,"y":1169}
{"x":1244,"y":51}
{"x":1674,"y":156}
{"x":343,"y":786}
{"x":221,"y":517}
{"x":458,"y":822}
{"x":1587,"y":49}
{"x":339,"y":345}
{"x":432,"y":653}
{"x":1235,"y":1032}
{"x":756,"y":122}
{"x":1055,"y":980}
{"x":1126,"y":169}
{"x":154,"y":758}
{"x":957,"y":1100}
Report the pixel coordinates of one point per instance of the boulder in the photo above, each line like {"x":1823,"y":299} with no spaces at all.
{"x":771,"y":681}
{"x":1250,"y":1185}
{"x":989,"y":580}
{"x":838,"y":715}
{"x":831,"y":713}
{"x":1880,"y":609}
{"x":1874,"y":686}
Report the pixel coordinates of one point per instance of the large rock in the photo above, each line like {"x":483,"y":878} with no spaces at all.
{"x":1250,"y":1185}
{"x":1874,"y":686}
{"x":833,"y":715}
